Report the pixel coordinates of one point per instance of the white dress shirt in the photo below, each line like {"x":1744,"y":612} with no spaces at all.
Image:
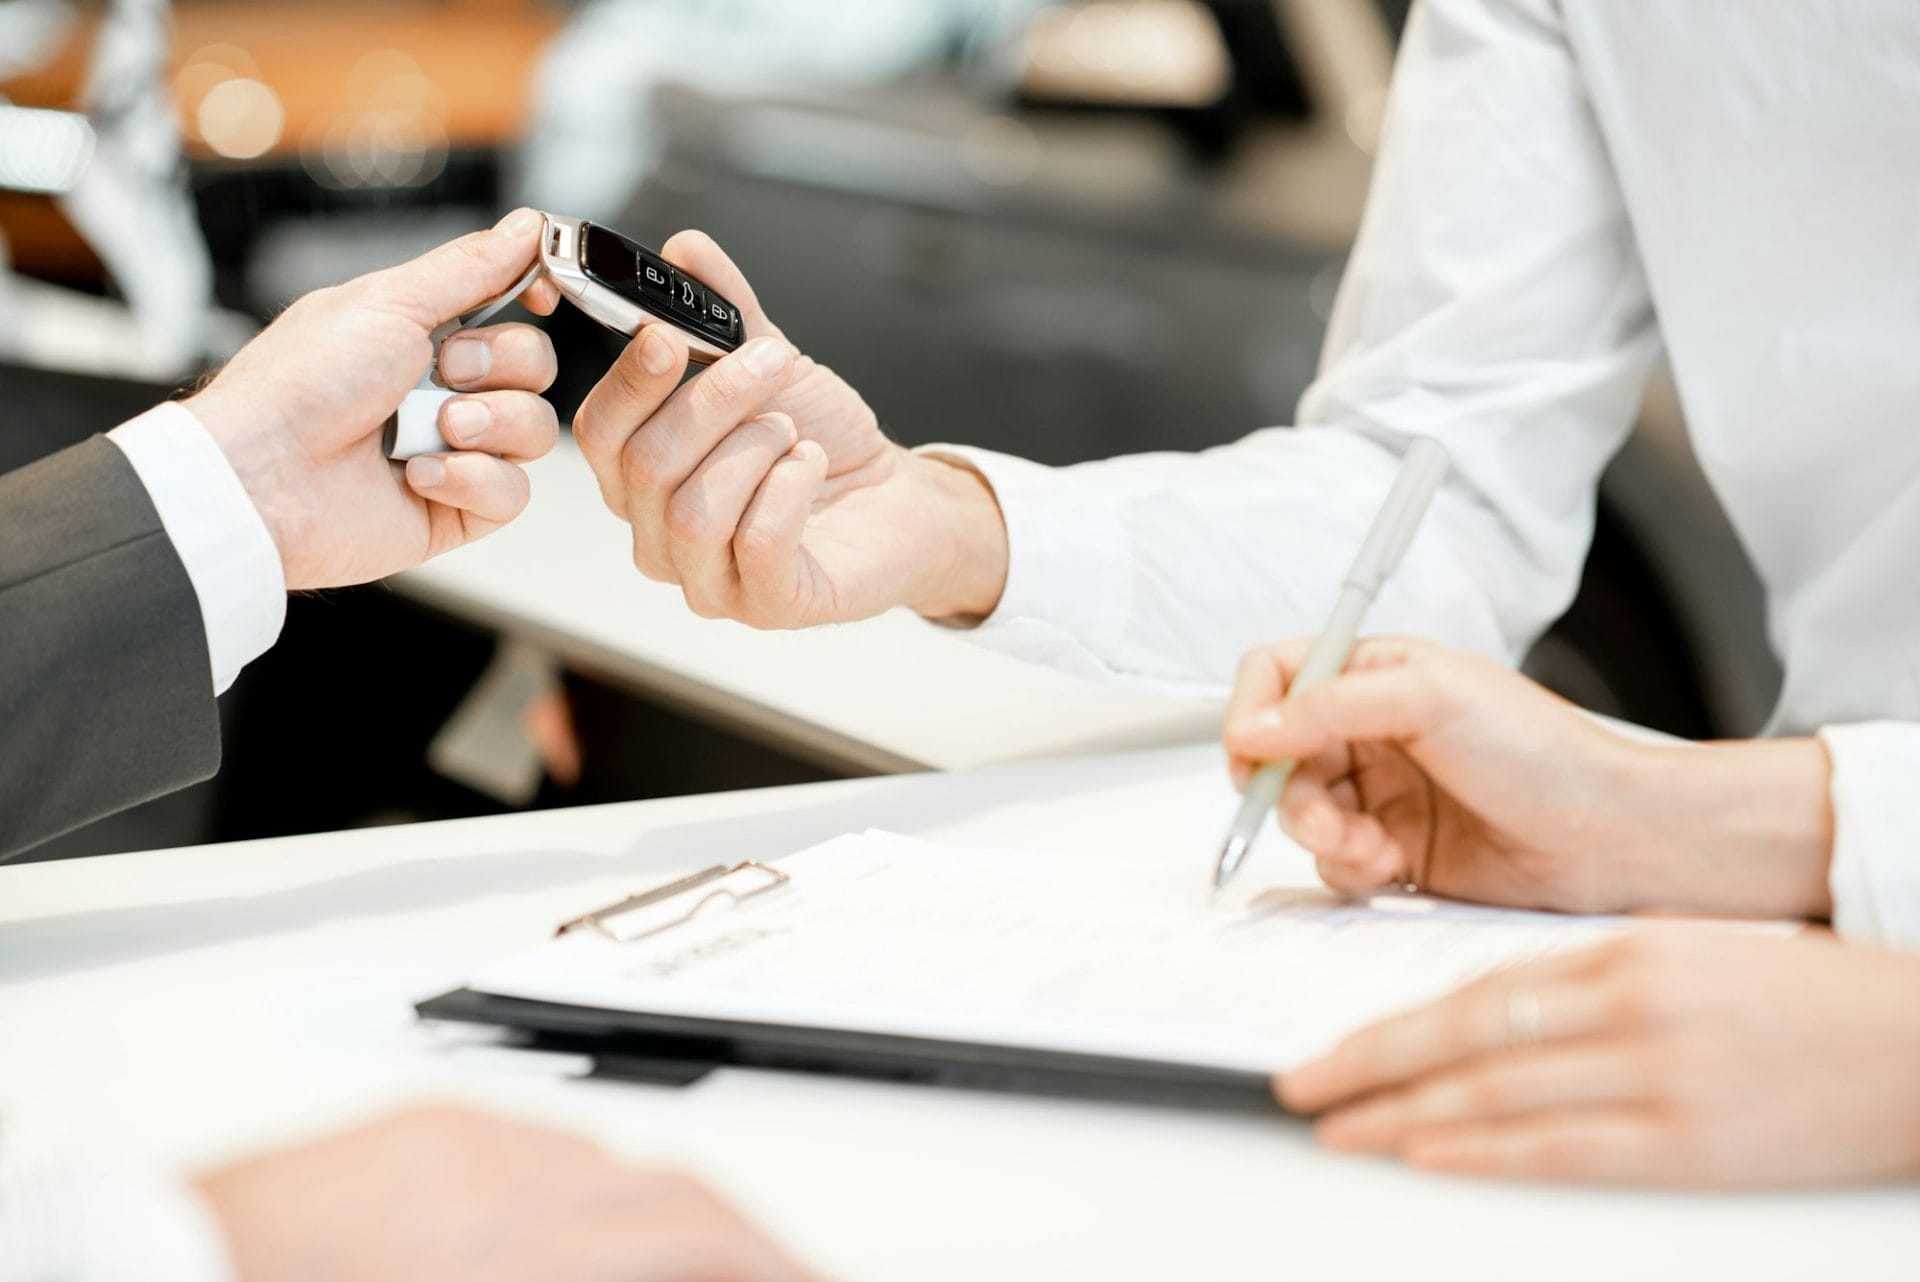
{"x":219,"y":534}
{"x":1565,"y":187}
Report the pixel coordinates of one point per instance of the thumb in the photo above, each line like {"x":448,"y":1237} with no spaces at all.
{"x":460,"y":275}
{"x":696,"y":253}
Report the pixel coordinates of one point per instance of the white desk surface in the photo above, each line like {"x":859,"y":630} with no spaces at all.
{"x":888,"y":694}
{"x":188,"y":1004}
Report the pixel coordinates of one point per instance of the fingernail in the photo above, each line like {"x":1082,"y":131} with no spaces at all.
{"x":426,"y":473}
{"x":765,"y":357}
{"x":782,"y":427}
{"x":519,"y":222}
{"x":1268,"y":718}
{"x":467,"y":421}
{"x":464,"y":360}
{"x":656,"y":353}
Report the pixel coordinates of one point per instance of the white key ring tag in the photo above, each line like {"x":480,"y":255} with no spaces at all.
{"x":414,"y":428}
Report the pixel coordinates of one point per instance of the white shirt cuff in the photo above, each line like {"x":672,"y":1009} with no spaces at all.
{"x":1875,"y":873}
{"x":219,"y":534}
{"x":76,"y":1224}
{"x":1070,"y":572}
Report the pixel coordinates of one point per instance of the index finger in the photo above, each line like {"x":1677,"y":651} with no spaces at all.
{"x":1262,"y":679}
{"x":643,"y":376}
{"x":697,"y":253}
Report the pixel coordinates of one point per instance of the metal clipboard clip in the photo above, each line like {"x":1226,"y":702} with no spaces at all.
{"x":604,"y":920}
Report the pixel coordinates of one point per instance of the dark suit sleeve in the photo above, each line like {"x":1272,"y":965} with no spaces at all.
{"x":106,"y":691}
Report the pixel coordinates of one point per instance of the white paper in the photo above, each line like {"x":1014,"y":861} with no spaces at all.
{"x":886,"y":934}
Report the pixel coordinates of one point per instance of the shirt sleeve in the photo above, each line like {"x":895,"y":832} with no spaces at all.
{"x":223,"y":542}
{"x":1494,"y":301}
{"x":77,"y":1224}
{"x":1875,"y":873}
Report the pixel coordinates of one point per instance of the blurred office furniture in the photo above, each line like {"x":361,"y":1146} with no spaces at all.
{"x":264,"y":990}
{"x":595,"y":135}
{"x":320,"y":138}
{"x":109,"y":162}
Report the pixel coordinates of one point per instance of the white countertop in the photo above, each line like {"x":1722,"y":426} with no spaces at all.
{"x":888,"y":694}
{"x":190,"y":1004}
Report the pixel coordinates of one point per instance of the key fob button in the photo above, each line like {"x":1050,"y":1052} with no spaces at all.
{"x":723,"y":318}
{"x":689,"y":298}
{"x":656,"y":278}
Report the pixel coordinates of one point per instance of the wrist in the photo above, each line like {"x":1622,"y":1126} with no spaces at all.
{"x":966,"y":570}
{"x":1738,"y":828}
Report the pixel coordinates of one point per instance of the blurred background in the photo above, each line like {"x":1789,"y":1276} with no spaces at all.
{"x":1064,"y":229}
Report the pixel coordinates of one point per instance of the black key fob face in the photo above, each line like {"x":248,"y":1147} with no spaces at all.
{"x":625,"y":285}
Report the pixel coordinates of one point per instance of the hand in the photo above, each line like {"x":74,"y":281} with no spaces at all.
{"x":299,"y":412}
{"x":1677,"y":1055}
{"x":1424,"y":766}
{"x":765,"y":489}
{"x":445,"y":1195}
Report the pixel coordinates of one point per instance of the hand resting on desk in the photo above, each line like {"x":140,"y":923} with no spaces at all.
{"x":1687,"y":1057}
{"x":445,"y":1195}
{"x":1680,"y":1057}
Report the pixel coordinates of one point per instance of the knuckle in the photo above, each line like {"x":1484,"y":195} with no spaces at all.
{"x":761,"y":614}
{"x":587,"y":430}
{"x":1563,"y":1152}
{"x":630,"y":376}
{"x":319,"y":300}
{"x":1687,"y":1071}
{"x":718,"y":389}
{"x":1666,"y":1069}
{"x":650,"y":564}
{"x":641,"y":467}
{"x":540,"y":355}
{"x":688,"y":519}
{"x":1619,"y":953}
{"x":755,"y":544}
{"x":614,"y":502}
{"x":1486,"y":1094}
{"x":470,"y":251}
{"x":701,"y":604}
{"x":545,"y":419}
{"x":1642,"y":997}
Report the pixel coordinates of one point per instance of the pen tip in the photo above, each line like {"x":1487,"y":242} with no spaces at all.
{"x":1231,"y":856}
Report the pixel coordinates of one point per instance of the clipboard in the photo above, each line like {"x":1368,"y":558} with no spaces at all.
{"x":677,"y":1049}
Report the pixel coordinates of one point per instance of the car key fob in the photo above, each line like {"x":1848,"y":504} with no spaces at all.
{"x":623,"y":285}
{"x":626,"y":286}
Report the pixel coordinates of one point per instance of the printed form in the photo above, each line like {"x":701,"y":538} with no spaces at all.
{"x":880,"y":933}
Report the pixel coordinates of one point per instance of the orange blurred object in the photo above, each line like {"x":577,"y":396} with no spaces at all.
{"x":362,"y":92}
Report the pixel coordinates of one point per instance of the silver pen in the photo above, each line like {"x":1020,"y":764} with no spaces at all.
{"x":1422,"y":469}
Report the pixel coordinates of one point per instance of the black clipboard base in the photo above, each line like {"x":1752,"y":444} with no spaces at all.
{"x":679,"y":1050}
